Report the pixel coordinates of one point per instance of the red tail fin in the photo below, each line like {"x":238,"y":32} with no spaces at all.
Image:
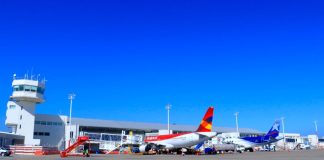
{"x":207,"y":122}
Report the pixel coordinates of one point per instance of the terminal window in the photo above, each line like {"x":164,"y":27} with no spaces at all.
{"x":41,"y":134}
{"x":290,"y":140}
{"x":48,"y":123}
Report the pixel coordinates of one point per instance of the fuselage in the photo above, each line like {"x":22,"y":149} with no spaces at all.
{"x":249,"y":142}
{"x":181,"y":140}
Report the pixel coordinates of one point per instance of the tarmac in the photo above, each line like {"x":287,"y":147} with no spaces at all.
{"x":280,"y":155}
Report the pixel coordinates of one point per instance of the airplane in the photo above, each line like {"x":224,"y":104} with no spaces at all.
{"x":181,"y":140}
{"x":250,"y":142}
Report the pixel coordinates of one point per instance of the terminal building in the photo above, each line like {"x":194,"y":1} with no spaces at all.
{"x":31,"y":129}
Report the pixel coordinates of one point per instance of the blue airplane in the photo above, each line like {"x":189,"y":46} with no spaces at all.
{"x":249,"y":142}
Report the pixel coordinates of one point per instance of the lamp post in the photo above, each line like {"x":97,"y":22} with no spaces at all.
{"x":236,"y":118}
{"x":316,"y":131}
{"x":168,"y":107}
{"x":71,"y":96}
{"x":283,"y":131}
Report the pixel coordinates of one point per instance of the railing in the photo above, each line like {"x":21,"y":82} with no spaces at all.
{"x":106,"y":137}
{"x":29,"y":77}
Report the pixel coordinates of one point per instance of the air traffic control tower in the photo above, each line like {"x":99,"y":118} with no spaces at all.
{"x":20,"y":115}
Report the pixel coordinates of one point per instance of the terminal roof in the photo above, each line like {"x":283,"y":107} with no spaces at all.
{"x":151,"y":126}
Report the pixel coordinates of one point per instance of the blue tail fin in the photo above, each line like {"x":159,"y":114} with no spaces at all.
{"x":274,"y":131}
{"x":198,"y":146}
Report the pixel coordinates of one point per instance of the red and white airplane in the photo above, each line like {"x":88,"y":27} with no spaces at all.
{"x":182,"y":140}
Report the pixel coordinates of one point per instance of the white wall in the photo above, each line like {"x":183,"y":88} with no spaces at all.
{"x":313,"y":140}
{"x":22,"y":118}
{"x":75,"y":130}
{"x":56,"y":132}
{"x":289,"y":145}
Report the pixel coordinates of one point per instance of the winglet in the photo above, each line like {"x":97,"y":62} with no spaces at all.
{"x":207,"y":122}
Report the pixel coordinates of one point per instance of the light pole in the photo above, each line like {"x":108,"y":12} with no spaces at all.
{"x":168,"y":107}
{"x":236,"y":118}
{"x":121,"y":141}
{"x":71,"y":96}
{"x":316,"y":131}
{"x":283,"y":131}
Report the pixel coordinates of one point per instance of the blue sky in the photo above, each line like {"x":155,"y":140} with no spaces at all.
{"x":126,"y":60}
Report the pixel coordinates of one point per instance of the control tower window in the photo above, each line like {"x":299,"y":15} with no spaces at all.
{"x":16,"y":88}
{"x":33,"y":89}
{"x":12,"y":106}
{"x":27,"y":88}
{"x":40,"y":90}
{"x":21,"y":88}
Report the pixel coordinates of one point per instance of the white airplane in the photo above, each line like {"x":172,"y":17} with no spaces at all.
{"x":182,"y":140}
{"x":249,"y":142}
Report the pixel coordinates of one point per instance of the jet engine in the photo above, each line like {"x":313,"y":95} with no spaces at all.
{"x":147,"y":147}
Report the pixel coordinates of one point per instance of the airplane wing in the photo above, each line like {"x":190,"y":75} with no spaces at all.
{"x":272,"y":140}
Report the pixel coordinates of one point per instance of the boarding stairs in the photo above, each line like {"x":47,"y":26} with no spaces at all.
{"x":81,"y":140}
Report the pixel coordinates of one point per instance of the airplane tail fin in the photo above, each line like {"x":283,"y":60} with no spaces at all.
{"x":207,"y":122}
{"x":274,"y":131}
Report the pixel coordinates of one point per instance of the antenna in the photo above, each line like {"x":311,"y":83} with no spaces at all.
{"x":31,"y":74}
{"x":44,"y":80}
{"x":38,"y":76}
{"x":14,"y":76}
